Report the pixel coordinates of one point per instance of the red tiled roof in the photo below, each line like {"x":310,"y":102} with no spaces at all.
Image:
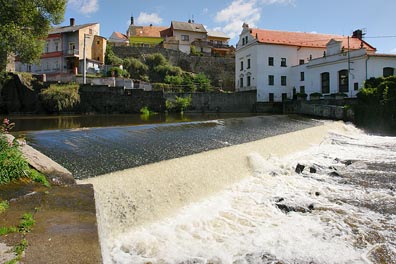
{"x":302,"y":39}
{"x":119,"y":35}
{"x":149,"y":31}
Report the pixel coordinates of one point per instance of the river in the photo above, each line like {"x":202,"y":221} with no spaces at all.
{"x":226,"y":190}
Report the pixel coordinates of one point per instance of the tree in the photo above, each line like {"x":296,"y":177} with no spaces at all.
{"x":111,"y":58}
{"x":24,"y":25}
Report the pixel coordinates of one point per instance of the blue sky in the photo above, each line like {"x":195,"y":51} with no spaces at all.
{"x":339,"y":17}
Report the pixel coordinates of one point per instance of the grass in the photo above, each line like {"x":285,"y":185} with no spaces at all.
{"x":3,"y":206}
{"x":38,"y":177}
{"x":26,"y":223}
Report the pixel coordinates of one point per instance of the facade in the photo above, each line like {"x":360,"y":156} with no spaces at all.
{"x":144,"y":36}
{"x":181,"y":35}
{"x":118,"y":39}
{"x":218,"y":41}
{"x":280,"y":64}
{"x":64,"y":51}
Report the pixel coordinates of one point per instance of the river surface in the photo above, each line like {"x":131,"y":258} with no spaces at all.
{"x":226,"y":190}
{"x":91,"y":151}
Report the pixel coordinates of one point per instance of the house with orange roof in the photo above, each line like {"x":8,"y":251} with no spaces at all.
{"x":144,"y":36}
{"x":118,"y":39}
{"x":281,"y":64}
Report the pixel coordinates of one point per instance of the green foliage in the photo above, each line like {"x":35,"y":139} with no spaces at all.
{"x":136,"y":68}
{"x":7,"y":230}
{"x":146,"y":111}
{"x":21,"y":247}
{"x":111,"y":58}
{"x":174,"y":80}
{"x":154,"y":60}
{"x":23,"y":26}
{"x":12,"y":164}
{"x":3,"y":206}
{"x":203,"y":83}
{"x":58,"y":98}
{"x":26,"y":223}
{"x":38,"y":177}
{"x":117,"y":72}
{"x":179,"y":104}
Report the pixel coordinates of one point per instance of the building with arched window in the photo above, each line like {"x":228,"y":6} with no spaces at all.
{"x":280,"y":64}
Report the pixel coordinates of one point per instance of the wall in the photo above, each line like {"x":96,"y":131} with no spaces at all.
{"x":219,"y":102}
{"x":216,"y":68}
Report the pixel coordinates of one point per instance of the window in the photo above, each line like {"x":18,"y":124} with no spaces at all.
{"x":72,"y":47}
{"x":270,"y":79}
{"x":302,"y":62}
{"x":343,"y":81}
{"x":302,"y":76}
{"x":185,"y":37}
{"x":47,"y":47}
{"x":325,"y":80}
{"x":283,"y":80}
{"x":248,"y":81}
{"x":302,"y":89}
{"x":241,"y":82}
{"x":246,"y":39}
{"x":271,"y":97}
{"x":241,"y":65}
{"x":243,"y":41}
{"x":283,"y":62}
{"x":356,"y":86}
{"x":388,"y":71}
{"x":284,"y":97}
{"x":90,"y":31}
{"x":248,"y":64}
{"x":271,"y":61}
{"x":56,"y":46}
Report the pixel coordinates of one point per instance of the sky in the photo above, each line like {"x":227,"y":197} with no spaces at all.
{"x":340,"y":17}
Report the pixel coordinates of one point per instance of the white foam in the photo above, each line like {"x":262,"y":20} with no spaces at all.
{"x":220,"y":206}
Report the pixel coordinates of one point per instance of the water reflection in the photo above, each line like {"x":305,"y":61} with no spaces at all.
{"x":35,"y":123}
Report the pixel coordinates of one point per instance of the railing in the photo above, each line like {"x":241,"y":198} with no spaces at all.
{"x":71,"y":52}
{"x":246,"y":88}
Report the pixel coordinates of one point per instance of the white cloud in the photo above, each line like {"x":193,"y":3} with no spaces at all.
{"x":205,"y":11}
{"x":393,"y":51}
{"x":237,"y":13}
{"x":145,"y":18}
{"x":241,"y":11}
{"x":84,"y":6}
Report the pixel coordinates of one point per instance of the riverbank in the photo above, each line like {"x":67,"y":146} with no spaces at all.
{"x":63,"y":217}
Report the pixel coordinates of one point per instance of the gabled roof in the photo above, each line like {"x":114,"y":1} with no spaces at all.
{"x":66,"y":29}
{"x":301,"y":39}
{"x":118,"y":36}
{"x":147,"y":31}
{"x":217,"y":34}
{"x":186,"y":26}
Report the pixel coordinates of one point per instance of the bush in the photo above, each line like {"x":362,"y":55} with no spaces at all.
{"x":316,"y":94}
{"x":111,"y":58}
{"x":12,"y":164}
{"x":117,"y":72}
{"x":58,"y":98}
{"x":136,"y":68}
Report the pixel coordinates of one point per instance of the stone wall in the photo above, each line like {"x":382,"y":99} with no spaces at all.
{"x":104,"y":99}
{"x":220,"y":70}
{"x":218,"y":102}
{"x":321,"y":108}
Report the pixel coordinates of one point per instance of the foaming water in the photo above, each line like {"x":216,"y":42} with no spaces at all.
{"x":246,"y":203}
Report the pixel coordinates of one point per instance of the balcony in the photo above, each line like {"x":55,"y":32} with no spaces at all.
{"x":71,"y":53}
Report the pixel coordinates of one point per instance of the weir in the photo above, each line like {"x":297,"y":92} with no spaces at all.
{"x":132,"y":198}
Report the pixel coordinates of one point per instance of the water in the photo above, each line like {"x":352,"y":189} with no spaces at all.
{"x":246,"y":203}
{"x":88,"y":152}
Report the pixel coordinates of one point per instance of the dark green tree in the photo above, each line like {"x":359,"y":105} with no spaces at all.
{"x":24,"y":25}
{"x":111,"y":58}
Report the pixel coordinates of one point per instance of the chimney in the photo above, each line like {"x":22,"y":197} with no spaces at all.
{"x":357,"y":34}
{"x":72,"y":22}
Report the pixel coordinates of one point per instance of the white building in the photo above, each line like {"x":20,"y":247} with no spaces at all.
{"x":280,"y":64}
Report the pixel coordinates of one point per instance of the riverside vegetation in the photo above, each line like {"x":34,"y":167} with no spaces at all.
{"x":13,"y":168}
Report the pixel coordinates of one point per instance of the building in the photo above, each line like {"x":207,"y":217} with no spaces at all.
{"x":64,"y":50}
{"x":280,"y":64}
{"x":144,"y":36}
{"x":118,"y":39}
{"x":181,"y":35}
{"x":218,"y":41}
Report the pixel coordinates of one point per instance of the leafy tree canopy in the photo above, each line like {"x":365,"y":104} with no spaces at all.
{"x":23,"y":26}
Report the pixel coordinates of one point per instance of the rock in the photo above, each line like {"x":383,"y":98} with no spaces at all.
{"x":317,"y":193}
{"x":347,"y":162}
{"x":312,"y":169}
{"x":280,"y":200}
{"x":287,"y":209}
{"x":299,"y":168}
{"x":311,"y":207}
{"x":334,"y":174}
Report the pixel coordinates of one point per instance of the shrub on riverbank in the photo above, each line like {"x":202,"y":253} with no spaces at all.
{"x":376,"y":108}
{"x":59,"y":97}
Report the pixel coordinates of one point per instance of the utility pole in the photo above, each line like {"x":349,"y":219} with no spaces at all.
{"x":85,"y":60}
